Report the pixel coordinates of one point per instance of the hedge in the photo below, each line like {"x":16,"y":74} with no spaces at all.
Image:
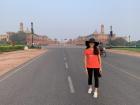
{"x":11,"y":48}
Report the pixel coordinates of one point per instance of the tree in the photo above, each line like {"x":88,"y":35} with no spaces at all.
{"x":138,"y":42}
{"x":3,"y":42}
{"x":18,"y":38}
{"x":119,"y":42}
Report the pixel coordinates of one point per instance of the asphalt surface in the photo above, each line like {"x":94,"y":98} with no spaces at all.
{"x":57,"y":78}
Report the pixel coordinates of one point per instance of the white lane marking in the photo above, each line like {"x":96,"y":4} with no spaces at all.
{"x":65,"y":59}
{"x":124,"y":71}
{"x":26,"y":64}
{"x":66,"y":65}
{"x":72,"y":90}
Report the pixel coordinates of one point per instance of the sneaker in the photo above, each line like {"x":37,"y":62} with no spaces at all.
{"x":95,"y":95}
{"x":90,"y":90}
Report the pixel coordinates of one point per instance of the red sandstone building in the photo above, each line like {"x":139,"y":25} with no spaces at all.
{"x":26,"y":37}
{"x":99,"y":36}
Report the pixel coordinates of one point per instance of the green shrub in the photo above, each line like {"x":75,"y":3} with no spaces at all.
{"x":11,"y":48}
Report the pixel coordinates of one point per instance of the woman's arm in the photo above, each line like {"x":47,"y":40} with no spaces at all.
{"x":85,"y":64}
{"x":100,"y":61}
{"x":85,"y":61}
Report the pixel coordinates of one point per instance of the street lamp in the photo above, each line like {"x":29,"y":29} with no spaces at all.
{"x":129,"y":39}
{"x":32,"y":32}
{"x":110,"y":36}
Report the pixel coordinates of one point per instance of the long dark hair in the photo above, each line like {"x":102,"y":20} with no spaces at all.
{"x":95,"y":51}
{"x":87,"y":44}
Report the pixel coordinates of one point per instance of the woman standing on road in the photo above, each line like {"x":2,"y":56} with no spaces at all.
{"x":92,"y":61}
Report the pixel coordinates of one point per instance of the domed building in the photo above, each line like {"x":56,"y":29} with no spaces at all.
{"x":101,"y":36}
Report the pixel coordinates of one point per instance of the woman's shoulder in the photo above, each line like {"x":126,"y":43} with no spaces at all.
{"x":86,"y":49}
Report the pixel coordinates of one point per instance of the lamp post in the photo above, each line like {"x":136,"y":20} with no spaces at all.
{"x":129,"y":40}
{"x":110,"y":36}
{"x":32,"y":32}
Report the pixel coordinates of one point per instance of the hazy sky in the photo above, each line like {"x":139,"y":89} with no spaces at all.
{"x":71,"y":18}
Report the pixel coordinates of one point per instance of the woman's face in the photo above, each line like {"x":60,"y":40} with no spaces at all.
{"x":91,"y":45}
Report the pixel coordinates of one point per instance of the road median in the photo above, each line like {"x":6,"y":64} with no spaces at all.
{"x":11,"y":60}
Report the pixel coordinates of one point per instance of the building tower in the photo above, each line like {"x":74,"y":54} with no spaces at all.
{"x":27,"y":30}
{"x":102,"y":29}
{"x":21,"y":27}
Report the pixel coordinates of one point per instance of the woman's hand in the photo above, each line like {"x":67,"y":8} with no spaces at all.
{"x":86,"y":71}
{"x":101,"y":71}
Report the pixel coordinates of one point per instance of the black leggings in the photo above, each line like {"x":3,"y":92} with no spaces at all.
{"x":96,"y":76}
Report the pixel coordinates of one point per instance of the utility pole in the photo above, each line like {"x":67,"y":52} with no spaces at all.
{"x":110,"y":36}
{"x":32,"y":32}
{"x":129,"y":39}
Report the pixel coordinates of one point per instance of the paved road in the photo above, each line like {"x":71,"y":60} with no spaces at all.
{"x":57,"y":78}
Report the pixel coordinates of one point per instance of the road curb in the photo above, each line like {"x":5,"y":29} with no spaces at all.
{"x":129,"y":53}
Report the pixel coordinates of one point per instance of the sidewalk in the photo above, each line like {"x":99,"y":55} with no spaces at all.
{"x":10,"y":60}
{"x":125,"y":52}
